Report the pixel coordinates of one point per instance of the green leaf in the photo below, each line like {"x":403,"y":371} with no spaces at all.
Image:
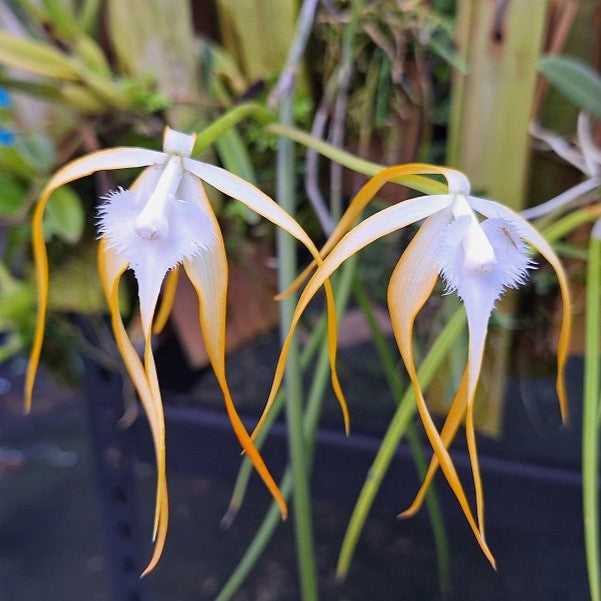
{"x":75,"y":286}
{"x":576,"y":80}
{"x":12,"y":195}
{"x":62,"y":19}
{"x":12,"y":161}
{"x":37,"y":150}
{"x":88,"y":15}
{"x":64,"y":216}
{"x":37,"y":57}
{"x":17,"y":305}
{"x":236,"y":159}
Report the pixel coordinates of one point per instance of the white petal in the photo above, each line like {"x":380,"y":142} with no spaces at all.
{"x":490,"y":208}
{"x":175,"y":142}
{"x":113,"y":158}
{"x":251,"y":196}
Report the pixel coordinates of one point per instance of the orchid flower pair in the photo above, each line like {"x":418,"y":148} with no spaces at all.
{"x":162,"y":221}
{"x":477,"y":260}
{"x":165,"y":220}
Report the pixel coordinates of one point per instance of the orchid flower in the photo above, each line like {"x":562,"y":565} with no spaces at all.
{"x":163,"y":220}
{"x":477,"y":260}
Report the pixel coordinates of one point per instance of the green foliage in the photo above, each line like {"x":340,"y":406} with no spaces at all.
{"x":12,"y":197}
{"x":64,"y":216}
{"x":576,"y":80}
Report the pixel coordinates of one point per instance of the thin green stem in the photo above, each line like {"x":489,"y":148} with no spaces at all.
{"x":234,"y":116}
{"x":416,"y":182}
{"x":570,"y":222}
{"x":210,"y":134}
{"x":395,"y":383}
{"x":286,"y":248}
{"x":339,"y":112}
{"x":390,"y":442}
{"x":590,"y":425}
{"x":311,"y":419}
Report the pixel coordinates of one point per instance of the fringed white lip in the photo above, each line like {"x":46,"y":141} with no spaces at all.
{"x":482,"y":259}
{"x":175,"y":229}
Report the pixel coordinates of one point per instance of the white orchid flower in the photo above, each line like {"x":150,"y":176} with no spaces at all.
{"x":164,"y":220}
{"x":477,"y":260}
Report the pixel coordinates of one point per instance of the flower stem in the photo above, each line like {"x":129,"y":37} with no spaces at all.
{"x":416,"y":182}
{"x":590,"y":423}
{"x":286,"y":247}
{"x":215,"y":130}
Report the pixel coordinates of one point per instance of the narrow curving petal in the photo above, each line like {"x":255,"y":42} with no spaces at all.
{"x":449,"y":430}
{"x":262,"y":204}
{"x":384,"y":222}
{"x":110,"y":268}
{"x":456,"y":183}
{"x":208,"y":273}
{"x":478,"y":312}
{"x":490,"y":209}
{"x":166,"y":304}
{"x":249,"y":195}
{"x":116,"y":158}
{"x":410,"y":286}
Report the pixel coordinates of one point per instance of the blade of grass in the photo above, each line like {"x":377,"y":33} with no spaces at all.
{"x":590,"y":423}
{"x":390,"y":442}
{"x":396,"y":385}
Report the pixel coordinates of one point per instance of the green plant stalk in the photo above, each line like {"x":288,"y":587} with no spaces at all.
{"x":231,"y":118}
{"x":246,"y":468}
{"x":234,"y":116}
{"x":286,"y":252}
{"x":416,"y":182}
{"x":396,"y":429}
{"x":570,"y":222}
{"x":590,"y":423}
{"x":395,"y":383}
{"x":311,"y":419}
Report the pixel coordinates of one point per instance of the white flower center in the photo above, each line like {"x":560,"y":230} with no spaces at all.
{"x":480,"y":261}
{"x":152,"y":223}
{"x":478,"y":253}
